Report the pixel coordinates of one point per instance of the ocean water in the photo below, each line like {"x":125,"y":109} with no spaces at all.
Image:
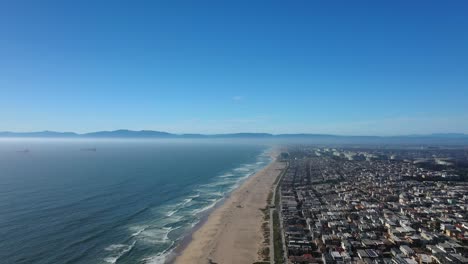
{"x":82,"y":201}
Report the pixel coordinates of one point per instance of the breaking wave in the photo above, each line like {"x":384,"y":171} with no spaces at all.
{"x":177,"y":217}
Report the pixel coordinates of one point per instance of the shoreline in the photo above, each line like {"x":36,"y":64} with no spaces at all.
{"x":231,"y":232}
{"x":188,"y":238}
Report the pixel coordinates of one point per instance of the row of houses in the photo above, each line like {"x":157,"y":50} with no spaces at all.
{"x":336,"y":210}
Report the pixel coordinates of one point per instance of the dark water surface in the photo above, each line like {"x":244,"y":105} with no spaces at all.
{"x":124,"y":202}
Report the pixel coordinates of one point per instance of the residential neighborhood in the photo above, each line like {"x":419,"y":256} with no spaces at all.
{"x":373,"y":206}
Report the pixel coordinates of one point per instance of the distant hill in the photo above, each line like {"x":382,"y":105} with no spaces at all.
{"x":441,"y":138}
{"x":243,"y":135}
{"x":41,"y":134}
{"x":123,"y":133}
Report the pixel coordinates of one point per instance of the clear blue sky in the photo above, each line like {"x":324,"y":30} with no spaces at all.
{"x":341,"y":67}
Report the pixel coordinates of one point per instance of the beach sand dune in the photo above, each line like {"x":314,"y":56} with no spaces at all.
{"x":232,"y":233}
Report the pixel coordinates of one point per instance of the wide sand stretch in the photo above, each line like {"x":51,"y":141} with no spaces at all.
{"x":232,"y":233}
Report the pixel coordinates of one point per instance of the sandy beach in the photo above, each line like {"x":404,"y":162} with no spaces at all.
{"x":232,"y":232}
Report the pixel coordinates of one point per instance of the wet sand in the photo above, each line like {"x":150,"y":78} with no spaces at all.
{"x":232,"y":232}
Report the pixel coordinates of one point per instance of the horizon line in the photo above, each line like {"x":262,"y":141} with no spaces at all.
{"x":72,"y":133}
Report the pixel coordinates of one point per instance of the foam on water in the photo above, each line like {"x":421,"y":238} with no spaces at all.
{"x":115,"y":247}
{"x":129,"y":202}
{"x":159,"y":258}
{"x":118,"y":250}
{"x":157,"y":235}
{"x":177,"y":217}
{"x":209,"y":206}
{"x":137,"y":230}
{"x":227,"y":175}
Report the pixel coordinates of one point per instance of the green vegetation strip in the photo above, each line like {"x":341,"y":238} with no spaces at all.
{"x":278,"y":243}
{"x":278,"y":182}
{"x":277,"y":236}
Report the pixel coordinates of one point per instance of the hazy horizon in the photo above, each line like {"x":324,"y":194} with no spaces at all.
{"x":74,"y":133}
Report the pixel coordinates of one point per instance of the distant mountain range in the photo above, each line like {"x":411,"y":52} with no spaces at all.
{"x":123,"y":133}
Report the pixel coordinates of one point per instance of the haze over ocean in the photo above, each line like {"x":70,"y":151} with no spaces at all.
{"x":127,"y":201}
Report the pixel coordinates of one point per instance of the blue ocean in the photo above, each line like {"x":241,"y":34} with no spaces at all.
{"x":111,"y":201}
